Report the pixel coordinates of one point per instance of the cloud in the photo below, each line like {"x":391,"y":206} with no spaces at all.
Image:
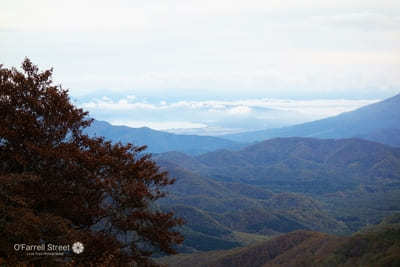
{"x":80,"y":16}
{"x":159,"y":125}
{"x":239,"y":110}
{"x":125,"y":104}
{"x":362,"y":20}
{"x":340,"y":74}
{"x":217,"y":117}
{"x":209,"y":49}
{"x":137,"y":16}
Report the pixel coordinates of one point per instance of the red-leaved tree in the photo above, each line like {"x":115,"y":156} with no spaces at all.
{"x":59,"y":186}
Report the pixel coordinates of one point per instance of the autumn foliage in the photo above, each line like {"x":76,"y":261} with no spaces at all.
{"x":59,"y":186}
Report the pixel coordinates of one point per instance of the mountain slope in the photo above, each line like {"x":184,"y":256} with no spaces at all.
{"x":215,"y":211}
{"x":376,"y":246}
{"x":284,"y":184}
{"x":385,"y":136}
{"x":303,"y":165}
{"x":158,"y":141}
{"x":361,"y":122}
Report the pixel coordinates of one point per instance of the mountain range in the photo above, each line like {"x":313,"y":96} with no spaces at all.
{"x":301,"y":165}
{"x":281,"y":185}
{"x":159,"y":141}
{"x":299,"y":187}
{"x":377,"y":122}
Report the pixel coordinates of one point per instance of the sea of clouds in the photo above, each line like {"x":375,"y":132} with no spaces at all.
{"x":215,"y":117}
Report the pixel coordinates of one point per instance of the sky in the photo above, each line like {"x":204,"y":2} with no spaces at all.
{"x":216,"y":66}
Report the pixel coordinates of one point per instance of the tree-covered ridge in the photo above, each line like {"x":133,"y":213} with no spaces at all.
{"x":304,"y":165}
{"x":217,"y":210}
{"x":377,"y":246}
{"x":333,"y":186}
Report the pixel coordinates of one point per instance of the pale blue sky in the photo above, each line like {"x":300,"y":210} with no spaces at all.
{"x":216,"y":50}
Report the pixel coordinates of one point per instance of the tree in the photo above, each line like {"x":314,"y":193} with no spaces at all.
{"x":59,"y":186}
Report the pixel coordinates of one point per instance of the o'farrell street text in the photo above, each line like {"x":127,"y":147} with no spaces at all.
{"x":42,"y":247}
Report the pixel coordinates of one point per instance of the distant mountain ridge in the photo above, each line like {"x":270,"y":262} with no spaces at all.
{"x":366,"y":122}
{"x":158,"y":141}
{"x":378,"y":122}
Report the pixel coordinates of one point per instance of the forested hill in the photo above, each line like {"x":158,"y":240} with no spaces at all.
{"x":378,"y":122}
{"x":377,"y":246}
{"x":158,"y":141}
{"x":280,"y":185}
{"x":304,"y":165}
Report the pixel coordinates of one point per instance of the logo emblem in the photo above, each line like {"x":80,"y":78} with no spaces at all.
{"x":78,"y":247}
